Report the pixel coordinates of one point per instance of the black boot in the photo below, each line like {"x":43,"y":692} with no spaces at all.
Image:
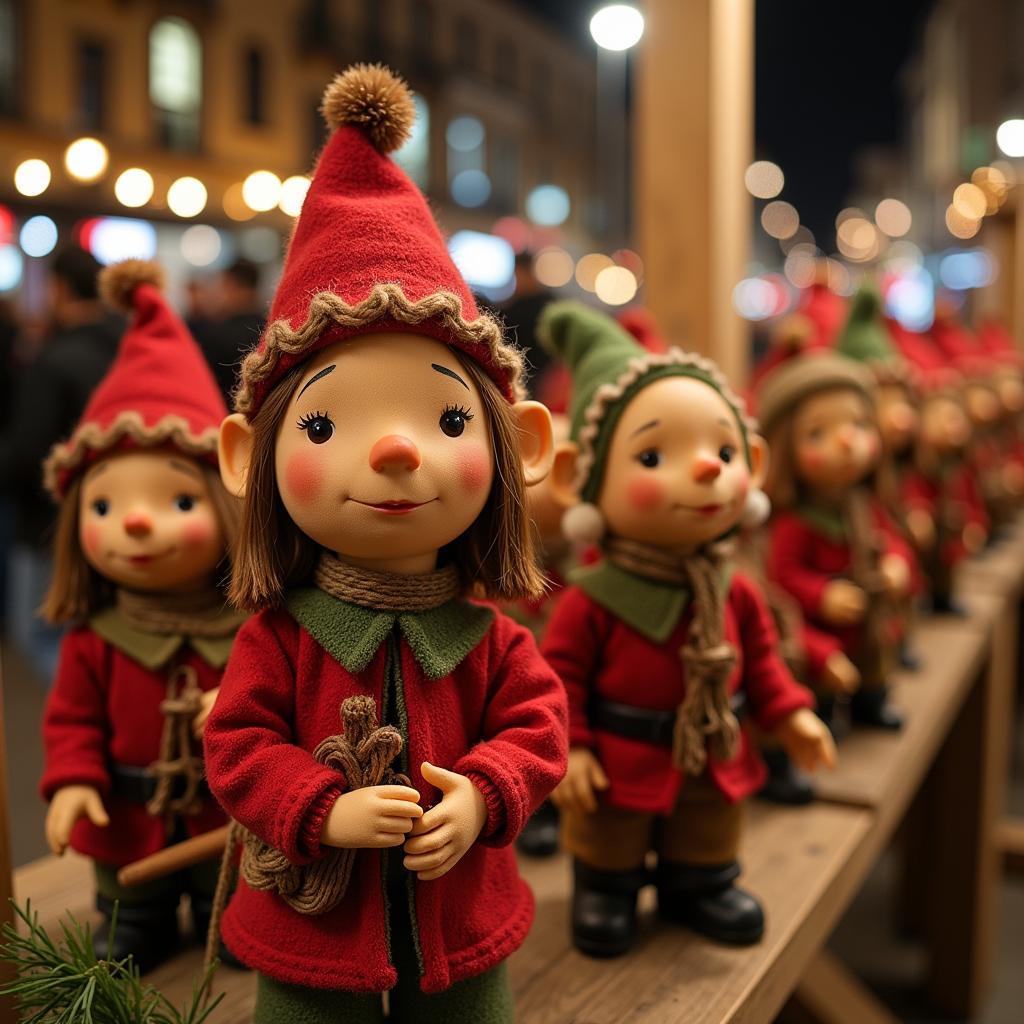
{"x":706,"y":900}
{"x":872,"y":708}
{"x":201,"y":912}
{"x":909,"y":658}
{"x":539,"y":837}
{"x":604,"y":909}
{"x":786,"y":784}
{"x":147,"y":932}
{"x":946,"y":604}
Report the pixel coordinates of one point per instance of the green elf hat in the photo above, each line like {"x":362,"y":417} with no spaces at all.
{"x":608,"y":367}
{"x":865,"y":339}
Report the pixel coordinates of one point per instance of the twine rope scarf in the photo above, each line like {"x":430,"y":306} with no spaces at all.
{"x":386,"y":591}
{"x":705,"y":717}
{"x":196,"y":614}
{"x":865,"y":569}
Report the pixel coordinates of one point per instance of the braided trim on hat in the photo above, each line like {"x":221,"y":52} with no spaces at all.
{"x":895,"y":371}
{"x":172,"y":429}
{"x":607,"y":394}
{"x":385,"y":301}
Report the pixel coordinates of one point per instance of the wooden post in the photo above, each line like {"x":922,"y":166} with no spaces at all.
{"x":694,"y":130}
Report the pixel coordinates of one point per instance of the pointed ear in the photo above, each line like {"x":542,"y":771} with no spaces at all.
{"x":234,"y":449}
{"x":759,"y":460}
{"x":562,"y":482}
{"x":536,"y":440}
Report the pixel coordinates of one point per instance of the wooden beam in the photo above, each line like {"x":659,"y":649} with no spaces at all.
{"x":694,"y":132}
{"x":830,"y":994}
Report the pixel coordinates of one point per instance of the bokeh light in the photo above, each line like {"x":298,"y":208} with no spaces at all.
{"x":86,"y":159}
{"x":111,"y":239}
{"x":615,"y":285}
{"x":234,"y":205}
{"x":514,"y":230}
{"x":32,"y":177}
{"x":617,"y":27}
{"x":970,"y":268}
{"x":553,"y":267}
{"x":799,"y":267}
{"x":969,"y":201}
{"x":548,"y":205}
{"x":38,"y":236}
{"x":893,"y":217}
{"x":261,"y":190}
{"x":293,"y":194}
{"x":485,"y":261}
{"x":780,"y":219}
{"x":465,"y":134}
{"x":134,"y":187}
{"x":993,"y":183}
{"x":187,"y":197}
{"x":588,"y":267}
{"x":763,"y":179}
{"x":471,"y":188}
{"x":260,"y":244}
{"x":11,"y":265}
{"x":201,"y":245}
{"x":631,"y":260}
{"x":1010,"y":137}
{"x":960,"y":226}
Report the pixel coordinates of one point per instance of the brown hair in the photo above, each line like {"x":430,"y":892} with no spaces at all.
{"x":495,"y":556}
{"x":77,"y":590}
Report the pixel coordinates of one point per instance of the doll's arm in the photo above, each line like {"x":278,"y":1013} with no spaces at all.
{"x":774,"y":693}
{"x":262,"y":779}
{"x":522,"y":755}
{"x":75,"y":727}
{"x":788,"y":564}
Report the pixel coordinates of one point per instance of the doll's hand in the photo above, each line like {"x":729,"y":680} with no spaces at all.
{"x":807,"y":740}
{"x":206,"y":702}
{"x":896,"y":574}
{"x":69,"y":804}
{"x":448,"y":829}
{"x":1013,"y":479}
{"x":840,"y":675}
{"x":843,"y":603}
{"x":372,"y":817}
{"x":576,"y":791}
{"x":922,"y":529}
{"x":974,"y":538}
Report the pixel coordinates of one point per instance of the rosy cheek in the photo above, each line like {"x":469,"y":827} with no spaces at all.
{"x":644,"y":493}
{"x":303,"y":477}
{"x":473,"y":465}
{"x":811,"y":460}
{"x":197,"y":534}
{"x":91,"y":538}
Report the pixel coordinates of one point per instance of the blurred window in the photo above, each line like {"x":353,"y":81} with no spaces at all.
{"x":540,"y":88}
{"x":414,"y":155}
{"x":255,"y":74}
{"x":176,"y":82}
{"x":467,"y":44}
{"x":92,"y":80}
{"x":423,"y":34}
{"x":8,"y":57}
{"x":507,"y":64}
{"x":467,"y":150}
{"x":505,"y":172}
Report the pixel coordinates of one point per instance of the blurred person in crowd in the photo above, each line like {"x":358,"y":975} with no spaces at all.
{"x":48,"y":397}
{"x":234,"y":320}
{"x":521,"y":313}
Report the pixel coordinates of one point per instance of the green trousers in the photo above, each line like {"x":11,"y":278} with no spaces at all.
{"x":199,"y":881}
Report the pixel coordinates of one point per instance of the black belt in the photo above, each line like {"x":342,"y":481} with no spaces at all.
{"x":129,"y":782}
{"x":643,"y":724}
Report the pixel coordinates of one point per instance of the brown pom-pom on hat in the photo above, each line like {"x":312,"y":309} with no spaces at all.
{"x":373,"y":98}
{"x":117,"y":283}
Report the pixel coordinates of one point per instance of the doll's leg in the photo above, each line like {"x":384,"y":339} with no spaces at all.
{"x":201,"y":884}
{"x":870,"y":704}
{"x":609,"y":848}
{"x":785,"y":784}
{"x":279,"y":1003}
{"x":485,"y":999}
{"x":147,"y":922}
{"x":539,"y":837}
{"x":697,"y":867}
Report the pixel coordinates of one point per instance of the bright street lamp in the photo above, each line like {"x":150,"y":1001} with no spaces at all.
{"x":617,"y":27}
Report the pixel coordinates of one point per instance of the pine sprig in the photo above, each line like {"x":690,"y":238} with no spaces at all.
{"x":62,"y":982}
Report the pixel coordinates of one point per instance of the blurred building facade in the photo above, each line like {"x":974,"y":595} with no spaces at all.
{"x":216,"y":89}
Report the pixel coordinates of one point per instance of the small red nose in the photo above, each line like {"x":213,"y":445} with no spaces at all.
{"x":137,"y":524}
{"x":706,"y":468}
{"x":394,"y":452}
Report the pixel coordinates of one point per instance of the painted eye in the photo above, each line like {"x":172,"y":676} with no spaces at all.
{"x":726,"y":452}
{"x":101,"y":506}
{"x":453,"y":421}
{"x":650,"y":458}
{"x":318,"y":427}
{"x":184,"y":503}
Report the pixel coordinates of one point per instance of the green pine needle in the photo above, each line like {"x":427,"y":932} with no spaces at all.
{"x":62,"y":982}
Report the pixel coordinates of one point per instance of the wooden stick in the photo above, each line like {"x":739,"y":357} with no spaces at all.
{"x":175,"y":858}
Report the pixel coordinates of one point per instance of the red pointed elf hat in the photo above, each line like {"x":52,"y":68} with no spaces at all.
{"x":159,"y":390}
{"x":366,"y":254}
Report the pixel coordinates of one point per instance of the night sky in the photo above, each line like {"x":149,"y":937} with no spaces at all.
{"x":827,"y":84}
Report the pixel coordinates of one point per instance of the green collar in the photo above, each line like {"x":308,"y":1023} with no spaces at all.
{"x":828,"y":521}
{"x":439,"y":639}
{"x":154,"y":650}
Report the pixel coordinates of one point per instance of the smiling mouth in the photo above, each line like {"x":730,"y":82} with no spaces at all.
{"x":140,"y":560}
{"x":394,"y":508}
{"x":704,"y":510}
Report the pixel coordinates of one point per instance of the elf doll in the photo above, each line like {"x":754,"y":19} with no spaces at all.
{"x":142,"y":535}
{"x":383,"y":457}
{"x":662,"y":649}
{"x":832,"y":544}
